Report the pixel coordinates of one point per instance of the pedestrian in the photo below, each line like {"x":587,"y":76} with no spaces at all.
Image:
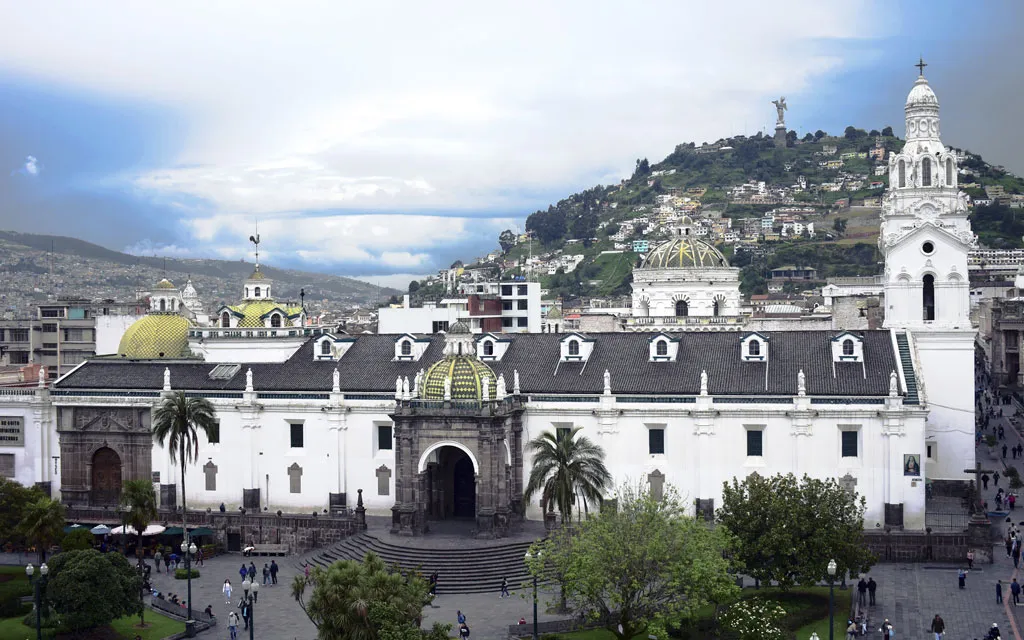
{"x":273,"y":572}
{"x":227,"y":591}
{"x":851,"y":630}
{"x":938,"y":626}
{"x":460,"y":617}
{"x":984,"y":480}
{"x":862,"y":592}
{"x":307,"y":571}
{"x":993,"y":633}
{"x":167,"y":562}
{"x":504,"y":588}
{"x":1004,"y":451}
{"x":995,"y":478}
{"x":266,"y":573}
{"x":1015,"y":592}
{"x":886,"y":629}
{"x":970,"y":559}
{"x":1015,"y":554}
{"x":463,"y":630}
{"x":199,"y":556}
{"x":245,"y":614}
{"x":1012,"y":500}
{"x":243,"y":572}
{"x":872,"y":585}
{"x":433,"y":583}
{"x":999,"y":592}
{"x":961,"y":578}
{"x":252,"y":572}
{"x":233,"y":625}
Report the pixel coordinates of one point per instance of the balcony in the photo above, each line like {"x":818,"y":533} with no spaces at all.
{"x":247,"y":333}
{"x":685,"y":321}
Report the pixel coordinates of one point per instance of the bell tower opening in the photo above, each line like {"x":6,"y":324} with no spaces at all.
{"x":682,"y":309}
{"x":928,"y":297}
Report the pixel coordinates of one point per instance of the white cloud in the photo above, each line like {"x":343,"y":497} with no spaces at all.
{"x":30,"y":168}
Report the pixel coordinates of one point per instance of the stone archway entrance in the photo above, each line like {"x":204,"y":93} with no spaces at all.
{"x":106,"y":477}
{"x":451,"y":484}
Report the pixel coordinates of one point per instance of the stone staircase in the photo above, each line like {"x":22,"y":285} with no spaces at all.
{"x":463,"y":565}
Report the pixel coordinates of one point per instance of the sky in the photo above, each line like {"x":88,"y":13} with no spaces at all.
{"x":385,"y":140}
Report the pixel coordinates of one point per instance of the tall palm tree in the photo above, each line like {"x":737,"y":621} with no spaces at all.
{"x":139,"y":500}
{"x":177,"y":421}
{"x":564,"y":467}
{"x":42,"y":524}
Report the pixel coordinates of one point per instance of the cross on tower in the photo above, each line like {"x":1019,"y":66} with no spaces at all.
{"x":921,"y":64}
{"x":976,"y":498}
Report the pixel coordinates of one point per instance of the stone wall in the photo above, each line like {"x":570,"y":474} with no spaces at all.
{"x":917,"y":546}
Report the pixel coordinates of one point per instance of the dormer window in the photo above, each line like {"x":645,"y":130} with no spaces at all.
{"x":574,"y":347}
{"x":325,"y":348}
{"x":754,"y":348}
{"x":406,"y":348}
{"x":225,"y":319}
{"x":275,"y":320}
{"x":661,"y":348}
{"x":488,"y":348}
{"x":847,"y":347}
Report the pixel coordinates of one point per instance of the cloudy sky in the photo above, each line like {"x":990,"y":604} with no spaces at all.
{"x":389,"y":138}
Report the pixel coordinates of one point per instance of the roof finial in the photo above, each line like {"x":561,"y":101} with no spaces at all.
{"x":921,"y":64}
{"x":256,"y":241}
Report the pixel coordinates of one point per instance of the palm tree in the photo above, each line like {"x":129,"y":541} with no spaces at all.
{"x":564,"y":467}
{"x":42,"y":524}
{"x":139,"y":500}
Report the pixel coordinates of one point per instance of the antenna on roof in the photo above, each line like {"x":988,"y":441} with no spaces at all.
{"x":256,"y":241}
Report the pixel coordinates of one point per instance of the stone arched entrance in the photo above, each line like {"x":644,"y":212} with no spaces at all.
{"x":451,"y":482}
{"x":106,"y":477}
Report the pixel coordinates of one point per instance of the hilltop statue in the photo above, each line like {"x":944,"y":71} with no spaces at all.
{"x":780,"y":106}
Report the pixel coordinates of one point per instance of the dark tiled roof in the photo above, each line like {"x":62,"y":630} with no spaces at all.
{"x":368,"y":366}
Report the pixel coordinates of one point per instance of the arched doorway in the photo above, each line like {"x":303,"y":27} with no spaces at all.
{"x":453,"y":483}
{"x":106,"y":477}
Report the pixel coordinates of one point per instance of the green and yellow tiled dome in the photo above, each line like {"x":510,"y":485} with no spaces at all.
{"x":165,"y":284}
{"x":158,"y":335}
{"x":685,"y":252}
{"x":467,"y":374}
{"x":253,"y":313}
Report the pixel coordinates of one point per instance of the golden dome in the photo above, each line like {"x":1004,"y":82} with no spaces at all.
{"x":253,"y":313}
{"x":685,"y":252}
{"x":466,"y":373}
{"x":165,"y":284}
{"x":158,"y":335}
{"x":257,"y":275}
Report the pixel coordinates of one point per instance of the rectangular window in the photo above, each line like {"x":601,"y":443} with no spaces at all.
{"x":655,"y":441}
{"x":6,"y":465}
{"x":297,"y":434}
{"x":18,"y":335}
{"x":754,"y":442}
{"x":562,"y":432}
{"x":49,"y":328}
{"x":384,"y":439}
{"x":19,"y":357}
{"x":506,"y":305}
{"x":12,"y":431}
{"x":506,"y":289}
{"x":522,"y":289}
{"x":75,"y":335}
{"x":439,"y":326}
{"x":849,"y":444}
{"x":52,"y":313}
{"x":521,"y":305}
{"x":522,"y":322}
{"x":214,"y":435}
{"x":506,"y":322}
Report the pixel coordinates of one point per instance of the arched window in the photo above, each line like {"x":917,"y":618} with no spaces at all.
{"x":661,"y":348}
{"x":754,"y":348}
{"x":275,"y":320}
{"x":949,"y":172}
{"x":257,"y":292}
{"x":225,"y":319}
{"x":574,"y":347}
{"x":716,"y":308}
{"x":406,"y":348}
{"x":926,"y":172}
{"x":488,"y":348}
{"x":682,"y":309}
{"x":902,"y":171}
{"x":325,"y":348}
{"x":928,"y":297}
{"x":163,"y":304}
{"x":847,"y":347}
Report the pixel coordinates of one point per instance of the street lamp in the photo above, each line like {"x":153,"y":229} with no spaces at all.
{"x":39,"y":583}
{"x":528,"y":558}
{"x":831,"y":597}
{"x":249,"y":590}
{"x":188,"y":550}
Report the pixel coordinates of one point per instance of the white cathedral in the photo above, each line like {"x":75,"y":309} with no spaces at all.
{"x":435,"y":427}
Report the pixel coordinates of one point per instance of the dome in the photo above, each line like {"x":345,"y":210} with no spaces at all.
{"x":467,"y":374}
{"x":921,"y":94}
{"x":156,"y":336}
{"x":458,"y":328}
{"x":165,"y":284}
{"x":257,"y":275}
{"x":685,"y":252}
{"x":254,"y":312}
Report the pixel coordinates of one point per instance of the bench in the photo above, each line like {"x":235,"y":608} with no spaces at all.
{"x":265,"y":550}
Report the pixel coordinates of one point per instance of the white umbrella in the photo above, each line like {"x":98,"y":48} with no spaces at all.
{"x":151,"y":530}
{"x":100,"y":530}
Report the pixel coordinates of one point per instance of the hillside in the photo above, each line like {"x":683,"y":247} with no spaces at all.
{"x":80,"y":268}
{"x":726,"y":189}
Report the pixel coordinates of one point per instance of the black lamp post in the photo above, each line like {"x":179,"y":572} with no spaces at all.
{"x":831,"y":597}
{"x":188,"y":550}
{"x":249,"y":590}
{"x":39,"y":584}
{"x":530,"y":557}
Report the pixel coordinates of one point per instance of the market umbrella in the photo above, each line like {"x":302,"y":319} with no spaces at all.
{"x":72,"y":527}
{"x":100,"y":530}
{"x":151,"y":530}
{"x":201,"y":531}
{"x":172,"y":531}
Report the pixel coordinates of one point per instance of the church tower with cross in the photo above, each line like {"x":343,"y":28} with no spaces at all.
{"x":926,"y":237}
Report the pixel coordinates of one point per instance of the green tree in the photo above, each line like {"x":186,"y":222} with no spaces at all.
{"x":177,"y":423}
{"x":507,"y":240}
{"x":139,"y":500}
{"x":839,"y":224}
{"x":414,"y":286}
{"x":366,"y":601}
{"x":564,"y":469}
{"x":14,"y":499}
{"x":42,"y":524}
{"x":789,"y":529}
{"x":887,"y":132}
{"x":809,"y":137}
{"x":644,"y":565}
{"x":89,"y":589}
{"x":77,"y":540}
{"x":819,"y":134}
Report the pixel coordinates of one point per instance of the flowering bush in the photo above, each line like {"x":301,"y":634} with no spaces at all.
{"x":755,"y":619}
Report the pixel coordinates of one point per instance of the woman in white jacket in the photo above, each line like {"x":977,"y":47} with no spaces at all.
{"x":227,"y":592}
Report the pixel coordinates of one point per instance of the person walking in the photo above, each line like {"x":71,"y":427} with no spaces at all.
{"x":243,"y":572}
{"x":970,"y":559}
{"x":995,"y":478}
{"x":199,"y":556}
{"x":1015,"y":592}
{"x":872,"y":585}
{"x":984,"y":480}
{"x":961,"y":578}
{"x":227,"y":591}
{"x":938,"y":626}
{"x":1012,"y":500}
{"x":1004,"y":451}
{"x":886,"y":629}
{"x":851,"y":630}
{"x":273,"y":572}
{"x":1015,"y":554}
{"x":460,"y":617}
{"x":862,"y":592}
{"x":233,"y":625}
{"x":999,"y":592}
{"x":266,"y":573}
{"x":157,"y":557}
{"x":463,"y":630}
{"x":245,"y":613}
{"x":167,"y":562}
{"x":504,"y":588}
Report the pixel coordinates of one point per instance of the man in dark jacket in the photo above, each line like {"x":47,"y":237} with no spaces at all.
{"x":862,"y":592}
{"x":872,"y":585}
{"x":938,"y":626}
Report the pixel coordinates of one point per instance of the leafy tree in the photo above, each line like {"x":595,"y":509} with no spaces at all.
{"x":366,"y":601}
{"x":790,"y":138}
{"x":414,"y":286}
{"x":644,"y":565}
{"x":507,"y":240}
{"x":138,"y":498}
{"x":839,"y":224}
{"x":77,"y":540}
{"x":819,"y":134}
{"x":177,"y":422}
{"x":789,"y":529}
{"x":566,"y":467}
{"x":42,"y":524}
{"x":90,"y":589}
{"x":809,"y":137}
{"x":850,"y":133}
{"x":14,"y":499}
{"x":887,"y":132}
{"x":643,"y":168}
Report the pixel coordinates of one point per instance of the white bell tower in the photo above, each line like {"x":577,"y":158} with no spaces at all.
{"x":925,"y":237}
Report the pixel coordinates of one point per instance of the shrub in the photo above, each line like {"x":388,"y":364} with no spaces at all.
{"x":182,"y":574}
{"x":77,"y":540}
{"x":12,"y":607}
{"x":1015,"y":482}
{"x":209,"y":550}
{"x":1011,"y":472}
{"x":990,"y":440}
{"x":755,"y":619}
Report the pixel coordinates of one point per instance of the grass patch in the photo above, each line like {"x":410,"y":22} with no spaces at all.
{"x":842,"y":614}
{"x":157,"y":626}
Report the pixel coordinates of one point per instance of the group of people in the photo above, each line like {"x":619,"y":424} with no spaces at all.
{"x":866,"y":588}
{"x":269,"y":573}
